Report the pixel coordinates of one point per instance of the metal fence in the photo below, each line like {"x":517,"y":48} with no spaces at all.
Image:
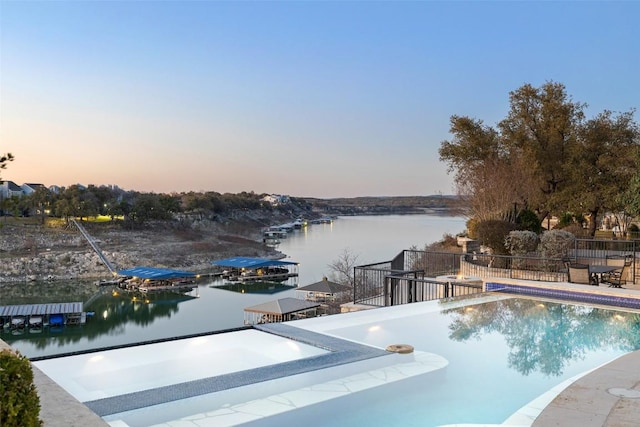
{"x":384,"y":283}
{"x":409,"y":277}
{"x":597,"y":251}
{"x":405,"y":290}
{"x":524,"y":263}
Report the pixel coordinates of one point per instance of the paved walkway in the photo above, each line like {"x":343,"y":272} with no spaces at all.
{"x":607,"y":397}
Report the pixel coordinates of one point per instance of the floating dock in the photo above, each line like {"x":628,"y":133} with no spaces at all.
{"x":39,"y":315}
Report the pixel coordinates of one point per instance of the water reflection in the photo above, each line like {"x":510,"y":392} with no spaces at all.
{"x":546,"y":336}
{"x":109,"y":313}
{"x":259,"y":287}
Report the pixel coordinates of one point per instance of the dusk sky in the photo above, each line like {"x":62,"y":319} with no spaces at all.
{"x":306,"y":98}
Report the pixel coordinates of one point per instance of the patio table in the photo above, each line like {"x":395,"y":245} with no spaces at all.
{"x":598,"y":270}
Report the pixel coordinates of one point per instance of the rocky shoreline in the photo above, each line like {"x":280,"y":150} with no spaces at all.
{"x":37,"y":252}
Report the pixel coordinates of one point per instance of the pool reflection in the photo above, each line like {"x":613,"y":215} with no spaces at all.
{"x":547,"y":336}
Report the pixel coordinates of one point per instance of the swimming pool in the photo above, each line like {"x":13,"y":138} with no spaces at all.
{"x":477,"y":361}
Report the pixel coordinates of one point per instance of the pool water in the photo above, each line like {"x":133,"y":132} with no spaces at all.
{"x":500,"y":353}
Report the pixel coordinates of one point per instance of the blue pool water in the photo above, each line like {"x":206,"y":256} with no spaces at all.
{"x":502,"y":354}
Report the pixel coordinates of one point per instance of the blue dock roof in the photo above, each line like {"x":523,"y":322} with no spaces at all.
{"x":155,"y":273}
{"x":244,"y":262}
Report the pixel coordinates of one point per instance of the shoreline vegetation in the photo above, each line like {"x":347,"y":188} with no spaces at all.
{"x":37,"y":249}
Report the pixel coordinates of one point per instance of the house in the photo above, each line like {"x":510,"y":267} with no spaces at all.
{"x":56,"y":189}
{"x":10,"y":189}
{"x":28,"y":189}
{"x":276,"y":199}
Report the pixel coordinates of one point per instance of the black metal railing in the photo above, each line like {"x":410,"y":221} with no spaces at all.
{"x":410,"y":276}
{"x":405,"y":290}
{"x":370,"y":281}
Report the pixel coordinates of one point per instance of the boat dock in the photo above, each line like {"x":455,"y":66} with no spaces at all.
{"x":244,"y":269}
{"x":151,"y":279}
{"x":17,"y":317}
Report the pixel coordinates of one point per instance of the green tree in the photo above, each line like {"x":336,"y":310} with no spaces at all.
{"x":4,"y":159}
{"x":147,"y":207}
{"x":41,"y":200}
{"x":630,"y":197}
{"x":544,"y":157}
{"x":541,"y":125}
{"x":602,"y":164}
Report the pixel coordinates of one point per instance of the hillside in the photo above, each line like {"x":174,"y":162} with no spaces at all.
{"x":386,"y":205}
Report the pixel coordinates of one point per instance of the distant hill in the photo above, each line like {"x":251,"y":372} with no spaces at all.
{"x":387,"y":205}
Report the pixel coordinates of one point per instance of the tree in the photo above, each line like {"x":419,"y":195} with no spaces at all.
{"x":541,"y":125}
{"x":490,"y":175}
{"x":342,"y":268}
{"x":602,"y":164}
{"x":630,"y":197}
{"x":4,"y":159}
{"x":543,"y":157}
{"x":40,"y":200}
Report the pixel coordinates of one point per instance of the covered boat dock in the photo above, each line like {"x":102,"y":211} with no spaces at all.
{"x":153,"y":279}
{"x":280,"y":310}
{"x":323,"y":291}
{"x":244,"y":269}
{"x":39,"y":315}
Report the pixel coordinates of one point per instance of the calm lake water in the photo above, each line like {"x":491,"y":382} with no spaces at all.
{"x":118,"y":319}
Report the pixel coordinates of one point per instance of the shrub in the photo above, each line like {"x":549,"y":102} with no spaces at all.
{"x":448,"y":243}
{"x":492,"y":233}
{"x":19,"y":401}
{"x":521,"y":242}
{"x":556,"y":244}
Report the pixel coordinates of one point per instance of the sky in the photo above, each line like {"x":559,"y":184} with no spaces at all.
{"x":306,"y":98}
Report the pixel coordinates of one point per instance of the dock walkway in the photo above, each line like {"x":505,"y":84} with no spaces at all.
{"x":95,"y":247}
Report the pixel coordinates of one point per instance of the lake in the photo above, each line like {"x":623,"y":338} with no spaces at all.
{"x":119,"y":319}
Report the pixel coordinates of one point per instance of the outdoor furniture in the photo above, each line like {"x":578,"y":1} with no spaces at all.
{"x":601,"y":273}
{"x":617,"y":277}
{"x":579,"y":273}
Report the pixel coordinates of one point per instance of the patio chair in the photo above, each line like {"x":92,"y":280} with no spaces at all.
{"x":617,"y":278}
{"x":579,"y":273}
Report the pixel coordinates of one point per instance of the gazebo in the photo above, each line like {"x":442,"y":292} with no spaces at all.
{"x":280,"y":310}
{"x":323,"y":291}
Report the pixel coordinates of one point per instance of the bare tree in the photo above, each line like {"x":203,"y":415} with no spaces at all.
{"x":342,"y":267}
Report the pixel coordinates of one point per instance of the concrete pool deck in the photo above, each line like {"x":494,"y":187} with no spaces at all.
{"x":607,"y":396}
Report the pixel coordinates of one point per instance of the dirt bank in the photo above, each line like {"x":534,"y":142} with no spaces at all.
{"x":36,"y":252}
